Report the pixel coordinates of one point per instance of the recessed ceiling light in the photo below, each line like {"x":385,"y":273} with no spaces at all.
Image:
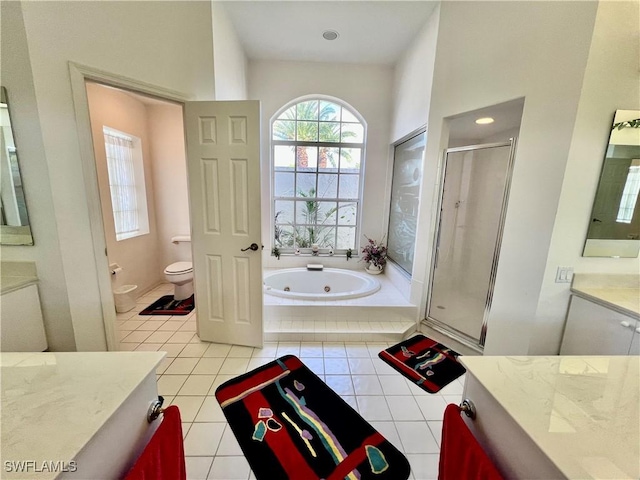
{"x":330,"y":34}
{"x":484,"y":121}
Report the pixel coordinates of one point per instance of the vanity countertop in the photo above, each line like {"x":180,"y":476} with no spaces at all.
{"x":582,"y":412}
{"x":618,"y":292}
{"x":54,"y":403}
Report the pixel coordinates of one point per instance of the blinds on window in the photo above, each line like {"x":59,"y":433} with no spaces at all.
{"x":122,"y":183}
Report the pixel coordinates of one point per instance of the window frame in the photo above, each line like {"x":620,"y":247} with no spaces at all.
{"x":138,"y":181}
{"x":318,"y":144}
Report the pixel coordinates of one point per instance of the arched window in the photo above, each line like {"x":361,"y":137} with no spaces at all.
{"x":318,"y":159}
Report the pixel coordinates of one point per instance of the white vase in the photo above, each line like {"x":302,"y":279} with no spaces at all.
{"x":374,"y":269}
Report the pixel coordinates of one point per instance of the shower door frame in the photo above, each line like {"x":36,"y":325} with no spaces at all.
{"x":476,"y":344}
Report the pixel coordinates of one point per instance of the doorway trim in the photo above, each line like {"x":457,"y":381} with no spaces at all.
{"x":437,"y":325}
{"x":79,"y":74}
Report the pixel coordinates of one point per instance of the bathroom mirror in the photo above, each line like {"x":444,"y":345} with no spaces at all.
{"x":14,"y":219}
{"x":614,"y":228}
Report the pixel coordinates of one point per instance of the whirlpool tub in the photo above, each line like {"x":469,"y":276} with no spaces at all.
{"x":327,"y":284}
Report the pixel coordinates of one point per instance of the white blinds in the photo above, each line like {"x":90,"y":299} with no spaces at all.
{"x":122,"y":183}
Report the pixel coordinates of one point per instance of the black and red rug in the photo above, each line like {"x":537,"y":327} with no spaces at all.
{"x":167,"y":305}
{"x":426,"y":362}
{"x":291,"y":425}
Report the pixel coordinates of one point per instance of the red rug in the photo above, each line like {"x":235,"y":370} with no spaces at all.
{"x":292,"y":426}
{"x":168,"y":306}
{"x":429,"y":364}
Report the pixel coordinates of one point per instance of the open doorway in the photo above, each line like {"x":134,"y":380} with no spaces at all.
{"x":141,"y":172}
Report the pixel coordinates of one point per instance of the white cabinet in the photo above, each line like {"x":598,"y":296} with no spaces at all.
{"x":592,"y":329}
{"x":22,"y":324}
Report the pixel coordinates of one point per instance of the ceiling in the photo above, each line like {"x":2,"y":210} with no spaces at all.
{"x":370,"y":31}
{"x":507,"y":116}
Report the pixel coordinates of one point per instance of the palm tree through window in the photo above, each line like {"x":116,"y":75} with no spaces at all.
{"x":318,"y":156}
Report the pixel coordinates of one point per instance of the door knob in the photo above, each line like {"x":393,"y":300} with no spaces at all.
{"x":253,"y":246}
{"x":625,"y":324}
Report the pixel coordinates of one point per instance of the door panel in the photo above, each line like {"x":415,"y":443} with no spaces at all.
{"x":223,"y":156}
{"x":469,"y":227}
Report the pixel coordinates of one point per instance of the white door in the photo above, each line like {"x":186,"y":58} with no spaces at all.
{"x":223,"y":162}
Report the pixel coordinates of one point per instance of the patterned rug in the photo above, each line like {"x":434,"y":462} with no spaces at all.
{"x":168,"y":306}
{"x":426,"y":362}
{"x":291,"y":425}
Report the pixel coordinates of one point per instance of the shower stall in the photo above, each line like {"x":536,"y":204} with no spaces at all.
{"x":475,"y":190}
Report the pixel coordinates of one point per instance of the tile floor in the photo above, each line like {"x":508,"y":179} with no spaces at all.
{"x":407,"y":416}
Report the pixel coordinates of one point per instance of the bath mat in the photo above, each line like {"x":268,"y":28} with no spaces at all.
{"x":168,"y":306}
{"x":426,"y":362}
{"x":291,"y":425}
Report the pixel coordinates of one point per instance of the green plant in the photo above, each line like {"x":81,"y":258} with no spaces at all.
{"x":374,"y":252}
{"x":628,"y":124}
{"x":275,"y":251}
{"x":349,"y":254}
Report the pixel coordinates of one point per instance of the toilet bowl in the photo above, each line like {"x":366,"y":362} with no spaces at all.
{"x":181,"y":275}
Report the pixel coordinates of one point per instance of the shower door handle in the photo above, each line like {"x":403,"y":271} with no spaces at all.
{"x":253,"y":247}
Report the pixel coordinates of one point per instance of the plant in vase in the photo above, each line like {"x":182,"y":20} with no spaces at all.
{"x":375,"y":255}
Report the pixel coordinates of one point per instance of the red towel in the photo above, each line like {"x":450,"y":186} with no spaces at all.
{"x":461,"y":456}
{"x":163,"y":457}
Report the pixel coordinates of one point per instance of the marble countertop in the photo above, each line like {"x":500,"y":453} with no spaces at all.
{"x":582,"y":412}
{"x":52,"y":404}
{"x":618,"y":292}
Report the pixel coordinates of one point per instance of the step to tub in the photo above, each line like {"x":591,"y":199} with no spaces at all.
{"x":333,"y":331}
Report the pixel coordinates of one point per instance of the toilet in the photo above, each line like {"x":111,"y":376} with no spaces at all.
{"x":180,"y":274}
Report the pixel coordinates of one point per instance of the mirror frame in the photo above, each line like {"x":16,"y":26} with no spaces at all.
{"x":12,"y":234}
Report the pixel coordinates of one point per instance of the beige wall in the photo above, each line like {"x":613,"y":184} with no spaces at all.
{"x":138,"y":256}
{"x":170,"y":180}
{"x":489,"y":53}
{"x":230,"y":62}
{"x":611,"y":82}
{"x":16,"y":76}
{"x":167,"y":44}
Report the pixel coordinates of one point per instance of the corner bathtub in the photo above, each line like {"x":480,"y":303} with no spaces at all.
{"x":327,"y":284}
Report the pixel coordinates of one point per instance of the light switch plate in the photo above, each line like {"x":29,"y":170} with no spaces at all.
{"x":564,"y":275}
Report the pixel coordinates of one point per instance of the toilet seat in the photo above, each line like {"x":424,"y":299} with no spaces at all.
{"x":179,"y":268}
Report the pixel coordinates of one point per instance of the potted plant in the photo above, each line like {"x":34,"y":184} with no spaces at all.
{"x":375,"y":255}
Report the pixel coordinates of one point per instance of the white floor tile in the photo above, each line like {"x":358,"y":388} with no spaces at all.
{"x":240,"y":351}
{"x":188,"y":327}
{"x":341,"y":384}
{"x":404,"y":408}
{"x":316,"y":365}
{"x":288,"y":348}
{"x":361,"y":366}
{"x":234,"y":366}
{"x":332,"y":350}
{"x":197,"y":385}
{"x":366,"y":384}
{"x":170,"y":384}
{"x":172,"y":349}
{"x":373,"y":408}
{"x":208,"y":366}
{"x":394,"y":385}
{"x":436,"y":430}
{"x":256,"y":362}
{"x":164,"y":364}
{"x":151,"y":325}
{"x":198,"y":467}
{"x":125,"y":347}
{"x":416,"y":437}
{"x":136,"y":336}
{"x":336,"y":366}
{"x":170,"y":326}
{"x":424,"y":466}
{"x":131,"y":325}
{"x":181,"y":366}
{"x":229,"y":446}
{"x":193,"y":350}
{"x":388,"y":431}
{"x":210,"y":411}
{"x":188,"y":405}
{"x":432,"y":407}
{"x":159,"y":337}
{"x":229,"y":468}
{"x":357,"y":350}
{"x":268,"y":350}
{"x":148,"y":347}
{"x":203,"y":439}
{"x":180,"y":337}
{"x":311,"y":350}
{"x":217,"y":350}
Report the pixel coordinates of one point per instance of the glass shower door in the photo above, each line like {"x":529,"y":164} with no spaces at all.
{"x":469,"y":233}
